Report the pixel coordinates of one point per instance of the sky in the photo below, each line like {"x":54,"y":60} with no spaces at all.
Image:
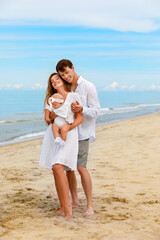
{"x":114,"y":44}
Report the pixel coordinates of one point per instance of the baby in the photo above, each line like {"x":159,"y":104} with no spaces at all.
{"x":60,"y":123}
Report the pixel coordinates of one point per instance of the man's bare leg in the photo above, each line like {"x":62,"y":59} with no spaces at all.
{"x":73,"y":187}
{"x":87,"y":186}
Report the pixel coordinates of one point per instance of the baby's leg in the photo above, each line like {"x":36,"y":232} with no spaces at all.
{"x":64,"y":130}
{"x":55,"y":130}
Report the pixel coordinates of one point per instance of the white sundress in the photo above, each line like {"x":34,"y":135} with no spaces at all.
{"x":66,"y":155}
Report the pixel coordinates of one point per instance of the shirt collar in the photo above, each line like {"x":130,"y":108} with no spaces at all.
{"x":80,"y":79}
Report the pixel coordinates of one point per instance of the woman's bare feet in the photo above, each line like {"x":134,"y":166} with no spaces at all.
{"x":68,"y":212}
{"x":60,"y":211}
{"x":90,"y":211}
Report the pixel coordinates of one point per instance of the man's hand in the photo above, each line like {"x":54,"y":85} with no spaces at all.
{"x":76,"y":107}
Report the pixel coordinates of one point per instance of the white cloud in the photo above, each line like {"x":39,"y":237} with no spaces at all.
{"x":112,"y":86}
{"x":17,"y":86}
{"x":10,"y":86}
{"x":115,"y":86}
{"x":124,"y":15}
{"x":154,"y":87}
{"x":132,"y":87}
{"x":37,"y":86}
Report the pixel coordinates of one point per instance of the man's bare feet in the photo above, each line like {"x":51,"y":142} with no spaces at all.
{"x":89,"y":211}
{"x":60,"y":211}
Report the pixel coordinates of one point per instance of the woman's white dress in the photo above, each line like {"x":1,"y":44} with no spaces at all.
{"x":66,"y":155}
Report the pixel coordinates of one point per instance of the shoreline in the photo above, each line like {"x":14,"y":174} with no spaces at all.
{"x":98,"y":125}
{"x":124,"y":166}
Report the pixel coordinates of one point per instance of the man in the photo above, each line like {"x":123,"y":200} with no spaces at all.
{"x":86,"y":130}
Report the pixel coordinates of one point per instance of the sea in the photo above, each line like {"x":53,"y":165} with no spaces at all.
{"x":22,"y":116}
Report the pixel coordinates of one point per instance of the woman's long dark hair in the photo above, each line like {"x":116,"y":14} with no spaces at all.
{"x":50,"y":89}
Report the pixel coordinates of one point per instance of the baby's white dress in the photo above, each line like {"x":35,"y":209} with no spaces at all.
{"x":66,"y":155}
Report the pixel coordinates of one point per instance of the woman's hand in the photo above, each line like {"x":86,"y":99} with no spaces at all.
{"x":52,"y":116}
{"x":48,"y":120}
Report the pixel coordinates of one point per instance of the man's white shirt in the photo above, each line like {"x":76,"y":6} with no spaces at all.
{"x":91,"y":108}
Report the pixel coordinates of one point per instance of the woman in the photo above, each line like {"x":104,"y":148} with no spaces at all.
{"x":55,"y":156}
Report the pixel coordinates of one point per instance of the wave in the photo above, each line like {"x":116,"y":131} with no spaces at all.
{"x":134,"y":108}
{"x":27,"y":114}
{"x":2,"y":121}
{"x":25,"y":137}
{"x":107,"y":115}
{"x":20,"y":120}
{"x":30,"y":135}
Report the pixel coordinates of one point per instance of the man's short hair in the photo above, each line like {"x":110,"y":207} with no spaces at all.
{"x":62,"y":64}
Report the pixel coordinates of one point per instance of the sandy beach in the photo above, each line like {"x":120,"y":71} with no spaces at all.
{"x":124,"y":163}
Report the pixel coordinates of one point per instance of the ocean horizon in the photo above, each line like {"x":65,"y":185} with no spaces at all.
{"x":22,"y":117}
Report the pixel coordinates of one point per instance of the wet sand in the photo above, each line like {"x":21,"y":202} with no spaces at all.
{"x":124,"y":163}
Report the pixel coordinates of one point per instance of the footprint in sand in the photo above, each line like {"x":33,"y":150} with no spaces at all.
{"x":114,"y":199}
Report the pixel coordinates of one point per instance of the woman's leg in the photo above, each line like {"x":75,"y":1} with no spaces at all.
{"x":60,"y":197}
{"x":63,"y":188}
{"x":73,"y":187}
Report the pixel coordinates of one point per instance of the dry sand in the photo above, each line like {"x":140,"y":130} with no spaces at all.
{"x":124,"y":163}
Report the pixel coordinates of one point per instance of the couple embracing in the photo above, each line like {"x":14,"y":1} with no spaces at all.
{"x":71,"y":108}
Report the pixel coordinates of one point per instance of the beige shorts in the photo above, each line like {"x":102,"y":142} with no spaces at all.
{"x":83,"y":153}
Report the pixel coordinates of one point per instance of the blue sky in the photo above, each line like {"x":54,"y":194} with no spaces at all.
{"x":115,"y":45}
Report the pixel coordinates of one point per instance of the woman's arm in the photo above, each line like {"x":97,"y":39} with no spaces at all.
{"x":52,"y":116}
{"x":47,"y":116}
{"x":78,"y":120}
